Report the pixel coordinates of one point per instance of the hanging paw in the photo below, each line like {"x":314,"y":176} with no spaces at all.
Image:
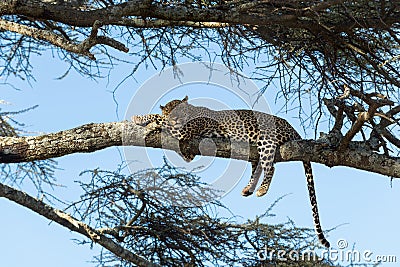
{"x":262,"y":191}
{"x":153,"y":126}
{"x":246,"y":191}
{"x":151,"y":121}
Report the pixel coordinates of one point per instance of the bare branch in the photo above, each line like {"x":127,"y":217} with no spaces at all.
{"x":56,"y":40}
{"x":356,"y":127}
{"x":71,"y":223}
{"x":161,"y":23}
{"x":346,"y":93}
{"x":390,"y":137}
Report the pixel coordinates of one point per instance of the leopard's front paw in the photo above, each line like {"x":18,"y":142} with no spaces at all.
{"x":139,"y":120}
{"x":188,"y":157}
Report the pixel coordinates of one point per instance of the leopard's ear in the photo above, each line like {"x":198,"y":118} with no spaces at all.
{"x":185,"y":99}
{"x":162,"y":107}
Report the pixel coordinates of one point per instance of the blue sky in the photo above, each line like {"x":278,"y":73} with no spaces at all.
{"x":362,"y":205}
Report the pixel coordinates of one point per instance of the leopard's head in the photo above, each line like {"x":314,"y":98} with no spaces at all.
{"x":170,"y":106}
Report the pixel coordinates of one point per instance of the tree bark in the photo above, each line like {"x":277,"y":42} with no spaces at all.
{"x":294,"y":17}
{"x":96,"y":136}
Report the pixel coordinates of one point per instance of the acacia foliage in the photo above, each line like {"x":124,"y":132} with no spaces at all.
{"x":171,"y":218}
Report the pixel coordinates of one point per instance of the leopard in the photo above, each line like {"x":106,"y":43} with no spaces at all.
{"x":186,"y":122}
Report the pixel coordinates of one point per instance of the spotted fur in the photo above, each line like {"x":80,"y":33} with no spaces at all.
{"x":184,"y":122}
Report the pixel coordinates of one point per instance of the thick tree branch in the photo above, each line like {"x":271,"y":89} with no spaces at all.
{"x":92,"y":137}
{"x":71,"y":223}
{"x":357,"y":156}
{"x":356,"y":127}
{"x":43,"y":35}
{"x":56,"y":40}
{"x":161,"y":23}
{"x":259,"y":13}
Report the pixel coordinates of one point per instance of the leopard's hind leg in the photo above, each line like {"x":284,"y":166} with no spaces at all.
{"x":256,"y":171}
{"x":266,"y":149}
{"x":266,"y":182}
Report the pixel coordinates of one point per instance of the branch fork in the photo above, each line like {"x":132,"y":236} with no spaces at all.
{"x":375,"y":101}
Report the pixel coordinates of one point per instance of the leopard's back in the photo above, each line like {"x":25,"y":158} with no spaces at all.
{"x":239,"y":125}
{"x":246,"y":125}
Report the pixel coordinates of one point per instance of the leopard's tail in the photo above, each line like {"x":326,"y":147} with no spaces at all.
{"x":314,"y":206}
